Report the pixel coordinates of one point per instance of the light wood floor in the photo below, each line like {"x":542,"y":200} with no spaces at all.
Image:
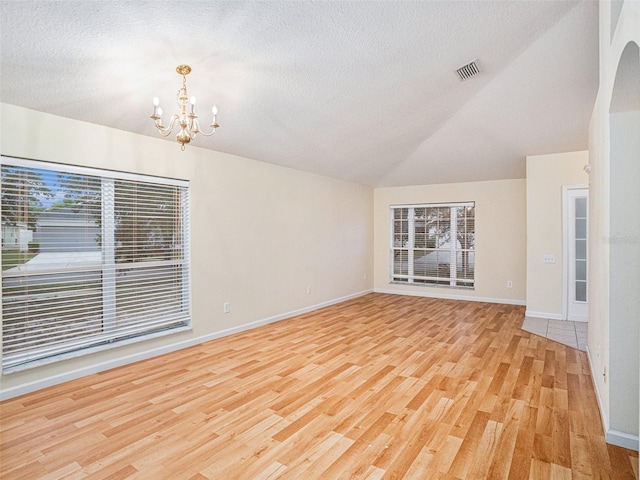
{"x":379,"y":387}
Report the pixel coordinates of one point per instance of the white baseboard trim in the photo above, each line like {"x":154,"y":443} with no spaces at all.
{"x":614,"y":437}
{"x":605,"y":422}
{"x":108,"y":365}
{"x":445,"y":296}
{"x":622,"y":439}
{"x":548,"y":316}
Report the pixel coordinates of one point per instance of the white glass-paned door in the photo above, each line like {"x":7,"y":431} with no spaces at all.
{"x":577,"y":264}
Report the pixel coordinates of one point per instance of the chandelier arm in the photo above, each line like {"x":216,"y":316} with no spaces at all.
{"x":166,"y":131}
{"x":208,"y":134}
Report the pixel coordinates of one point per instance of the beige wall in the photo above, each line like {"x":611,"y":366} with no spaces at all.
{"x":613,"y":362}
{"x":546,"y":175}
{"x":500,"y":237}
{"x":260,"y":234}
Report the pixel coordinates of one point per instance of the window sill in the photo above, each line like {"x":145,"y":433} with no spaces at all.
{"x":434,"y":285}
{"x":87,"y":351}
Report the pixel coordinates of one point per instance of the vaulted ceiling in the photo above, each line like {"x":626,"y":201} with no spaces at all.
{"x":365,"y":91}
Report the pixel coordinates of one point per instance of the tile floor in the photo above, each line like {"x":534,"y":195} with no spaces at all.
{"x":573,"y":334}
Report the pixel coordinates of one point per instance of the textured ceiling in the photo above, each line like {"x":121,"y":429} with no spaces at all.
{"x":364,"y":91}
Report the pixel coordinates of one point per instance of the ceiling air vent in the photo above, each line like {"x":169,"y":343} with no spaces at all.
{"x":469,"y":70}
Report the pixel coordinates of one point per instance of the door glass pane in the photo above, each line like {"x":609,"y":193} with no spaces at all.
{"x":581,"y":270}
{"x":581,"y":228}
{"x":581,"y":207}
{"x":581,"y":249}
{"x":581,"y":291}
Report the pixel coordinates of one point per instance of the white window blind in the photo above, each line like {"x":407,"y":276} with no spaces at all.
{"x":433,"y":244}
{"x":89,"y":258}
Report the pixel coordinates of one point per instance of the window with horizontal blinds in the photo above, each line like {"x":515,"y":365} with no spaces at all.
{"x":433,"y":244}
{"x":90,"y":258}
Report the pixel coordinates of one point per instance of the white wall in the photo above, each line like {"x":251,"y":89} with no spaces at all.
{"x":610,"y":359}
{"x":261,"y":234}
{"x":624,"y":258}
{"x":500,"y":238}
{"x":546,"y":175}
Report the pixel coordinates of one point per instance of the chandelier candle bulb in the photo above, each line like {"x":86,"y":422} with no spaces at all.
{"x":156,"y":104}
{"x":214,"y":122}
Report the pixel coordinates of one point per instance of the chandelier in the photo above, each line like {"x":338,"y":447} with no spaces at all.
{"x":187,"y":121}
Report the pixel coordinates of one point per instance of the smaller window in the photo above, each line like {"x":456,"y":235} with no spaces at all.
{"x":433,"y":244}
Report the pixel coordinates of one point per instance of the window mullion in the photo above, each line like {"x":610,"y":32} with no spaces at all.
{"x":108,"y":255}
{"x":453,"y":267}
{"x":411,"y":242}
{"x":184,"y":241}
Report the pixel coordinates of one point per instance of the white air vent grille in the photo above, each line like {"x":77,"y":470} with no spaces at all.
{"x":469,"y":70}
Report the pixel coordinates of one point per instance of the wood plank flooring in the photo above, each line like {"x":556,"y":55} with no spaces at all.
{"x":382,"y":386}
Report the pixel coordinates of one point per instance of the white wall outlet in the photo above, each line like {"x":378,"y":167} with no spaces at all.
{"x":308,"y":290}
{"x":509,"y":284}
{"x":226,"y":308}
{"x":548,"y":258}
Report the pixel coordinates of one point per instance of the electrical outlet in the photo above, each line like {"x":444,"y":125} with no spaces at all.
{"x":308,"y":290}
{"x":226,"y":308}
{"x":509,"y":284}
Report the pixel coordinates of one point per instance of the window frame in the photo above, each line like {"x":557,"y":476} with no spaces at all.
{"x":395,"y":251}
{"x":142,"y":327}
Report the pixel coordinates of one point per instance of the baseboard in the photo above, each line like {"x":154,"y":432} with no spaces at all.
{"x":548,"y":316}
{"x":614,"y":437}
{"x":622,"y":439}
{"x":605,"y":423}
{"x":108,"y":365}
{"x":444,"y":296}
